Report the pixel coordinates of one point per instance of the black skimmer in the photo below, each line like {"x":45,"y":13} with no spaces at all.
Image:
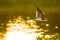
{"x":40,"y":15}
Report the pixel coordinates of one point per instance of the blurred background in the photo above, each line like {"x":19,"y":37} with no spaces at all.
{"x":25,"y":8}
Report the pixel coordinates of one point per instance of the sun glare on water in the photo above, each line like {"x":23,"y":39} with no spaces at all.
{"x":19,"y":29}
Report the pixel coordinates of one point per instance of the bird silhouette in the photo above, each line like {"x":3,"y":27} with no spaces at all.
{"x":39,"y":15}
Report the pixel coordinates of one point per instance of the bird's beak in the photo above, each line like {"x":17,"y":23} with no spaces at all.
{"x":46,"y":20}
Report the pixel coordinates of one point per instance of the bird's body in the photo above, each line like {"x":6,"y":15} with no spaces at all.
{"x":39,"y":19}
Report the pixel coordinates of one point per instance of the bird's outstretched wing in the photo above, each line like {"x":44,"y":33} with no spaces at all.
{"x":39,"y":13}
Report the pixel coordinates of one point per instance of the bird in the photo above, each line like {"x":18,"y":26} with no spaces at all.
{"x":39,"y":16}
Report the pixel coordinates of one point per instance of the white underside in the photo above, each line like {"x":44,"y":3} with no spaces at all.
{"x":39,"y":19}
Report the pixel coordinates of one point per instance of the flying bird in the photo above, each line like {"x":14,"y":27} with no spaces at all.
{"x":39,"y":15}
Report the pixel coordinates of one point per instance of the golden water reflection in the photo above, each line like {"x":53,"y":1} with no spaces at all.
{"x":20,"y":29}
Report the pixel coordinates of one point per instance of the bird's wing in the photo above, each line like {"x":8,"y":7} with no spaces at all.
{"x":39,"y":13}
